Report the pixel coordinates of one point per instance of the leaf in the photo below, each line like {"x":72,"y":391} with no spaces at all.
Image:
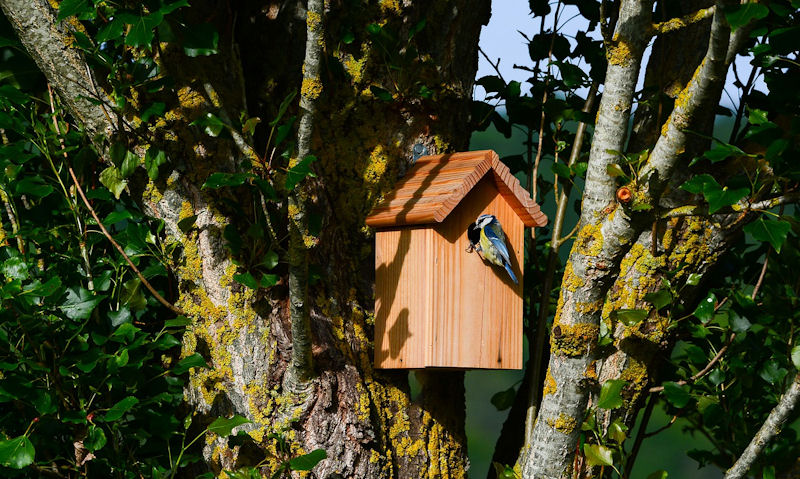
{"x":298,"y":172}
{"x":561,"y":170}
{"x":246,"y":279}
{"x":677,"y":395}
{"x":152,"y":160}
{"x":189,"y":362}
{"x":223,"y":427}
{"x":14,"y":268}
{"x":80,"y":303}
{"x":380,"y":93}
{"x":659,"y":299}
{"x":156,"y":108}
{"x":68,"y":8}
{"x":697,"y":184}
{"x":270,"y":259}
{"x":796,"y":356}
{"x":129,"y":164}
{"x":178,"y":322}
{"x":503,"y":400}
{"x":95,"y":439}
{"x":210,"y":123}
{"x":720,"y":198}
{"x":614,"y":170}
{"x":693,"y":279}
{"x":610,"y":394}
{"x":200,"y":40}
{"x":120,"y":317}
{"x":630,"y":317}
{"x":17,"y":453}
{"x":598,"y":455}
{"x":740,"y":324}
{"x":740,"y":15}
{"x":756,"y":116}
{"x":722,"y":152}
{"x":772,"y":231}
{"x":306,"y":462}
{"x":705,"y":309}
{"x":120,"y":408}
{"x":187,"y":223}
{"x":218,"y":180}
{"x":171,"y":7}
{"x":618,"y":431}
{"x":33,"y":185}
{"x":111,"y":179}
{"x":658,"y":475}
{"x":142,"y":28}
{"x":268,"y":280}
{"x":772,"y":373}
{"x":282,"y":109}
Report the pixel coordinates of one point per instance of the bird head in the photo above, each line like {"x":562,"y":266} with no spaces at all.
{"x":485,"y":220}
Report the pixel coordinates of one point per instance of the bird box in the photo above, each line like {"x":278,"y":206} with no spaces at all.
{"x":436,"y":304}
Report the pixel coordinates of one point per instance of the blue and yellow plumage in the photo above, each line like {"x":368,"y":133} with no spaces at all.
{"x":487,"y":237}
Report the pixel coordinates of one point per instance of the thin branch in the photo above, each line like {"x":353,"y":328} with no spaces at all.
{"x":301,"y":366}
{"x":496,"y":66}
{"x":708,"y":367}
{"x":771,"y":428}
{"x":102,"y":227}
{"x":674,"y":24}
{"x":662,"y":428}
{"x":640,"y":435}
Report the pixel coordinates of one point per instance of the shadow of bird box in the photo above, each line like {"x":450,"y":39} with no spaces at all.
{"x":436,"y":304}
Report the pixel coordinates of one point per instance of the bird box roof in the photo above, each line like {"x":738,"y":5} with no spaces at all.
{"x":436,"y":184}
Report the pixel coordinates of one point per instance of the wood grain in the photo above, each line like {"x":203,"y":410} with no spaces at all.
{"x":437,"y":184}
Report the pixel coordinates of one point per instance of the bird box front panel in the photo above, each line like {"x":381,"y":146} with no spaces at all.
{"x":477,"y":308}
{"x":402,"y":299}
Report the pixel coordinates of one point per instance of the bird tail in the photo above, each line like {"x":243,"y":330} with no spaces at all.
{"x":511,"y":273}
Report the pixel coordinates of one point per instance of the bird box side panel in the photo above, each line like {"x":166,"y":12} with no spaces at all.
{"x":402,"y":279}
{"x":458,"y":285}
{"x":502,"y":315}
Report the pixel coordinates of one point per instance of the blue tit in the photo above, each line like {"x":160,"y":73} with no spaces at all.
{"x":486,"y":236}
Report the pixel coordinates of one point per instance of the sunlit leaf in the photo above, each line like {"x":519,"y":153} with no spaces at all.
{"x":223,"y":426}
{"x":598,"y":455}
{"x":610,"y":397}
{"x":17,"y":453}
{"x":120,"y":408}
{"x":772,"y":231}
{"x":306,"y":462}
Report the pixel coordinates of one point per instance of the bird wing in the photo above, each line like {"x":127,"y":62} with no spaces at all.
{"x":497,"y":243}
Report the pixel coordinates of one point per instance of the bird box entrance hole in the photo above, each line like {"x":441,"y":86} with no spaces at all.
{"x":437,"y":305}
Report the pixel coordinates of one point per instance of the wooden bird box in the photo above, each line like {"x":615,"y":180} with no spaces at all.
{"x":437,"y":305}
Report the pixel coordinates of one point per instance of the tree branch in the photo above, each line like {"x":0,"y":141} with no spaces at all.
{"x":770,"y":429}
{"x":674,"y":24}
{"x":697,"y":95}
{"x":301,"y":367}
{"x":50,"y":42}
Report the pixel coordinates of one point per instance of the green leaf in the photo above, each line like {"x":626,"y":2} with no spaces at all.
{"x":218,"y":180}
{"x":796,"y":356}
{"x":722,"y":152}
{"x":210,"y":123}
{"x":740,"y":324}
{"x":705,"y":309}
{"x":610,"y":397}
{"x":223,"y":427}
{"x":14,"y":268}
{"x":618,"y":431}
{"x":676,"y":394}
{"x":306,"y":462}
{"x":561,"y":170}
{"x":33,"y":185}
{"x":246,"y":279}
{"x":111,"y":179}
{"x":80,"y":303}
{"x":270,"y":259}
{"x":120,"y":408}
{"x":178,"y":322}
{"x":95,"y":438}
{"x":772,"y":231}
{"x":111,"y":31}
{"x":142,"y":29}
{"x":68,"y":8}
{"x":659,"y":299}
{"x":598,"y":455}
{"x":129,"y":164}
{"x":155,"y":108}
{"x":630,"y":317}
{"x":614,"y":170}
{"x":740,"y":15}
{"x":152,"y":160}
{"x":17,"y":453}
{"x":120,"y":317}
{"x":693,"y":279}
{"x":381,"y":94}
{"x":187,"y":223}
{"x":268,"y":280}
{"x":756,"y":116}
{"x":720,"y":198}
{"x":772,"y":373}
{"x":298,"y":172}
{"x":658,"y":475}
{"x":698,"y":184}
{"x":189,"y":362}
{"x":287,"y":101}
{"x":348,"y":37}
{"x":171,"y":7}
{"x":503,"y":471}
{"x":200,"y":40}
{"x":504,"y":399}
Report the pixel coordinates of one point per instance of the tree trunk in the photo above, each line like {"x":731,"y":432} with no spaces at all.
{"x":364,"y":419}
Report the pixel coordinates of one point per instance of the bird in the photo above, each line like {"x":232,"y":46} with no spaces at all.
{"x":486,"y":236}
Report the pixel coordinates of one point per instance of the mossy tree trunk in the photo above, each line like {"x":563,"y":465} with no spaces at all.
{"x":364,"y":419}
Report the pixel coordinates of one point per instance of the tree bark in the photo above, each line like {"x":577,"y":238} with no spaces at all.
{"x":364,"y":419}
